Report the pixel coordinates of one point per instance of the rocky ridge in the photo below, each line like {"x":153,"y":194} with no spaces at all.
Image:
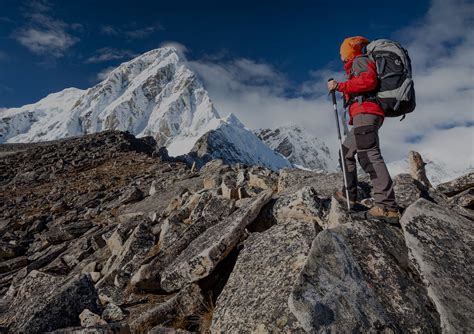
{"x":107,"y":234}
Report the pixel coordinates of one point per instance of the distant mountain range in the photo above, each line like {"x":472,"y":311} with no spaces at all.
{"x":156,"y":94}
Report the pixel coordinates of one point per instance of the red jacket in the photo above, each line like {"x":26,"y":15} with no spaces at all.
{"x":362,"y":78}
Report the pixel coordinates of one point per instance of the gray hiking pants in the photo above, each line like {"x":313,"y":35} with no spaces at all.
{"x":363,"y":139}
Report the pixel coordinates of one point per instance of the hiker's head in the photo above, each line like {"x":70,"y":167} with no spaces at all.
{"x":352,"y":47}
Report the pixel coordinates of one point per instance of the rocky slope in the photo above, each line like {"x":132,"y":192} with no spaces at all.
{"x":107,"y":234}
{"x":300,"y":147}
{"x":155,"y":94}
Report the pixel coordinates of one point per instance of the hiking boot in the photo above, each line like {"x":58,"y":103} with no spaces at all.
{"x":390,"y":216}
{"x":339,"y":196}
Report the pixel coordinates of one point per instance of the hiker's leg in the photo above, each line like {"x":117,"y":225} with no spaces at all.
{"x":366,"y":128}
{"x":348,"y":152}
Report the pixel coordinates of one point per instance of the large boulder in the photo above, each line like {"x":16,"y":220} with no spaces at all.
{"x":206,"y":251}
{"x":357,"y":278}
{"x":45,"y":303}
{"x":441,"y":245}
{"x":256,"y":294}
{"x":457,"y":185}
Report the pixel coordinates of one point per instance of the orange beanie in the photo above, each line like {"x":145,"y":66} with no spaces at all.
{"x":352,"y":46}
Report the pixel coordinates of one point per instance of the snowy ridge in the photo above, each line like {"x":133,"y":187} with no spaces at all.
{"x":299,"y":146}
{"x":233,"y":142}
{"x":154,"y":94}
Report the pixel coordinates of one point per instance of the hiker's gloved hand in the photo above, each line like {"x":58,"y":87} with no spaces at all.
{"x":332,"y":85}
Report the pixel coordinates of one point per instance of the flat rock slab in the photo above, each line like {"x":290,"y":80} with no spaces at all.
{"x":206,"y":251}
{"x":256,"y":294}
{"x":357,"y":279}
{"x":45,"y":303}
{"x":189,"y":301}
{"x":441,"y":243}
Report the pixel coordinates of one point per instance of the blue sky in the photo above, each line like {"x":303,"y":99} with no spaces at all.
{"x":85,"y":37}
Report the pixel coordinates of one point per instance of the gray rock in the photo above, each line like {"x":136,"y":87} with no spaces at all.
{"x":185,"y":303}
{"x":464,"y":199}
{"x":457,"y":185}
{"x":112,"y":313}
{"x":90,"y":319}
{"x":338,"y":215}
{"x":416,"y":166}
{"x":441,"y":245}
{"x":292,"y":180}
{"x":45,"y":303}
{"x":407,"y":190}
{"x":8,"y":250}
{"x":206,"y":251}
{"x":357,"y":278}
{"x":131,"y":195}
{"x":121,"y":267}
{"x":12,"y":264}
{"x":207,"y":212}
{"x":115,"y":328}
{"x":257,"y":291}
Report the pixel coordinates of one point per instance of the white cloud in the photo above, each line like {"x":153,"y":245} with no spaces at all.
{"x":180,"y":48}
{"x":441,"y":46}
{"x":43,"y":34}
{"x":108,"y":54}
{"x":255,"y":92}
{"x":105,"y":72}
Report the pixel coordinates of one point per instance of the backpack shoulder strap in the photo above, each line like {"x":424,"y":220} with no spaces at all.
{"x":360,"y":64}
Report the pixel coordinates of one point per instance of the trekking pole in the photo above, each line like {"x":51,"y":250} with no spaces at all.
{"x":334,"y":103}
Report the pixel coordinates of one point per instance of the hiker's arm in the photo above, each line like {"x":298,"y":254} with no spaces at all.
{"x":364,"y":80}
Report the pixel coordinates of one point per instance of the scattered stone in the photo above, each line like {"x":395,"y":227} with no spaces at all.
{"x":338,"y":214}
{"x":441,"y":245}
{"x":131,"y":195}
{"x":8,"y":250}
{"x":152,"y":190}
{"x":90,"y":319}
{"x":457,"y":185}
{"x":464,"y":199}
{"x":12,"y":264}
{"x":114,"y":328}
{"x":185,"y":303}
{"x":113,"y":313}
{"x":121,"y":267}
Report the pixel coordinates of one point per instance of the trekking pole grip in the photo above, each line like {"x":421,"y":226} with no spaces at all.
{"x":333,"y":93}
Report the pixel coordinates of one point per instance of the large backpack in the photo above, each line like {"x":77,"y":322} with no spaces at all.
{"x":396,"y":93}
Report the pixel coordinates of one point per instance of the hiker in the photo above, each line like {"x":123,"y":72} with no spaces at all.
{"x":366,"y":118}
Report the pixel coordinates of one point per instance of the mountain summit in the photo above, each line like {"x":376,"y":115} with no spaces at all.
{"x":154,"y":94}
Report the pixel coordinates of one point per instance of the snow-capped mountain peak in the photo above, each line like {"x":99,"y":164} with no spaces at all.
{"x":154,"y":94}
{"x":299,"y":146}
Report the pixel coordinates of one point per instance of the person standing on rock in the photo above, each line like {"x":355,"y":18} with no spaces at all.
{"x":366,"y":118}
